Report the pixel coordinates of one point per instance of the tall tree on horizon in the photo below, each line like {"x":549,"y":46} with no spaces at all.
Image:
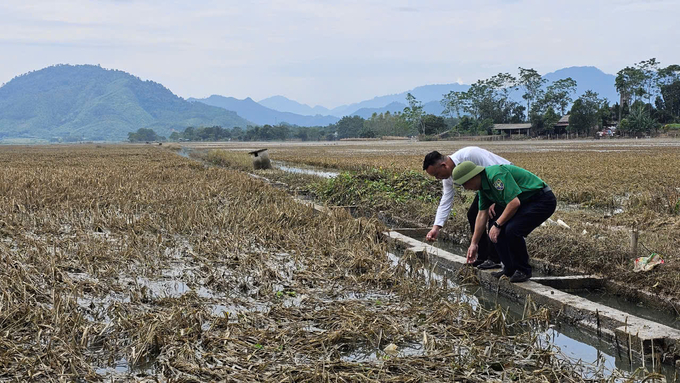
{"x":532,"y":82}
{"x":559,"y":94}
{"x":414,"y":113}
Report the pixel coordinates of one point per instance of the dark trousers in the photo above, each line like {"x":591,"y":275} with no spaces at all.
{"x":485,"y":250}
{"x":511,"y":245}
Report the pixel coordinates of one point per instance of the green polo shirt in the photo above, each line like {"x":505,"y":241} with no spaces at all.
{"x":502,"y":183}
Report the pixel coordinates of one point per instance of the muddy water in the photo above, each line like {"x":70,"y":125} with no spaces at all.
{"x":637,"y":309}
{"x":567,"y":341}
{"x":304,"y":169}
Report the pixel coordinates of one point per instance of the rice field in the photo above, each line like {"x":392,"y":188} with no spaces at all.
{"x":605,"y":189}
{"x":137,"y":264}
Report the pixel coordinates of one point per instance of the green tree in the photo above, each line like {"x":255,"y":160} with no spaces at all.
{"x":477,"y":99}
{"x":550,"y":118}
{"x":467,"y":125}
{"x":584,"y":115}
{"x":639,"y":121}
{"x":237,"y":133}
{"x":366,"y":133}
{"x":349,"y":126}
{"x":659,"y":113}
{"x":281,"y":131}
{"x":453,"y":102}
{"x":649,"y":84}
{"x":517,"y":114}
{"x":413,"y":113}
{"x":543,"y":123}
{"x":484,"y":99}
{"x":532,"y":83}
{"x":668,"y":75}
{"x":628,"y":83}
{"x":604,"y":114}
{"x":485,"y":126}
{"x":559,"y":94}
{"x":433,"y":124}
{"x":302,"y":134}
{"x":671,"y":98}
{"x":143,"y":134}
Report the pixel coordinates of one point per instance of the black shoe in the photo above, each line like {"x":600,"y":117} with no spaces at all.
{"x":519,"y":276}
{"x":499,"y":273}
{"x":478,"y":262}
{"x":488,"y":265}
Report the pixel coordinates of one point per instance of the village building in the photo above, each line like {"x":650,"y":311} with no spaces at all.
{"x":560,"y":126}
{"x":513,"y":129}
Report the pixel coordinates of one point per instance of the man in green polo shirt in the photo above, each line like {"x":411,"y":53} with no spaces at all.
{"x":528,"y":202}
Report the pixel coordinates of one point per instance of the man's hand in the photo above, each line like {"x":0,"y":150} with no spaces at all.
{"x":493,"y":233}
{"x":492,"y":210}
{"x":472,"y":253}
{"x":433,"y":234}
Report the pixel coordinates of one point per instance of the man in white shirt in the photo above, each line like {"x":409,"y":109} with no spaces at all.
{"x":441,"y":167}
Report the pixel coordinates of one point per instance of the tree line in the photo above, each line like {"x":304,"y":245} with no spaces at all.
{"x":378,"y":125}
{"x":649,"y":99}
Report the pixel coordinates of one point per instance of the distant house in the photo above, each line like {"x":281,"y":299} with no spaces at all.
{"x":561,"y":126}
{"x":511,"y":129}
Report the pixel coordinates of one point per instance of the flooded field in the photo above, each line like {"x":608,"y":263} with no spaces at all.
{"x":605,"y":188}
{"x":136,"y":264}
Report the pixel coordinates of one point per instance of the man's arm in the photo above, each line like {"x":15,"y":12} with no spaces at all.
{"x":480,"y":227}
{"x":508,"y":213}
{"x":443,"y":210}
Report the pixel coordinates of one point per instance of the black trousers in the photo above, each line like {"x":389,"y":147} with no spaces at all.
{"x":485,"y":249}
{"x":511,"y":245}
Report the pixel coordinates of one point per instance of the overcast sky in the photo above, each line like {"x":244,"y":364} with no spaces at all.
{"x":332,"y":52}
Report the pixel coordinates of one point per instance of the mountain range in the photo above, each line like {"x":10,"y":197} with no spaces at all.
{"x":92,"y":103}
{"x":587,"y":78}
{"x":280,"y":103}
{"x":261,"y":115}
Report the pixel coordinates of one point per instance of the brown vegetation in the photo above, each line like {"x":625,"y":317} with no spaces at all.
{"x":138,"y":264}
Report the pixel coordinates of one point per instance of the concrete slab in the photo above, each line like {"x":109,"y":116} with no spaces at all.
{"x":571,"y":282}
{"x":592,"y":316}
{"x":417,"y":232}
{"x":312,"y":205}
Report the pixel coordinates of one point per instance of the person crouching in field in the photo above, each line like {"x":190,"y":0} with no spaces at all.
{"x":528,"y":202}
{"x":440,"y":167}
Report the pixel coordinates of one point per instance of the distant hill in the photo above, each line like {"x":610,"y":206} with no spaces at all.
{"x":97,"y":104}
{"x":587,"y":78}
{"x":282,"y":104}
{"x":392,"y":108}
{"x":261,"y":115}
{"x":424,"y":94}
{"x":432,"y":107}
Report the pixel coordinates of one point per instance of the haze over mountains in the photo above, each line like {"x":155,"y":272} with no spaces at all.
{"x":92,"y":103}
{"x":587,"y":78}
{"x":261,"y":115}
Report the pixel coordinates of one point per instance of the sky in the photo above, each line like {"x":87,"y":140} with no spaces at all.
{"x":332,"y":52}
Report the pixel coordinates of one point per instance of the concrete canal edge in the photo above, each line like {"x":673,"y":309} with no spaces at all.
{"x":621,"y":329}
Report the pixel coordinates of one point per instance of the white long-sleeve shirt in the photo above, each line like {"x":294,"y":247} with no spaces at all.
{"x":475,"y":154}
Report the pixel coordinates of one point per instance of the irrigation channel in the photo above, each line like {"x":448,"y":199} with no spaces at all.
{"x":591,"y":325}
